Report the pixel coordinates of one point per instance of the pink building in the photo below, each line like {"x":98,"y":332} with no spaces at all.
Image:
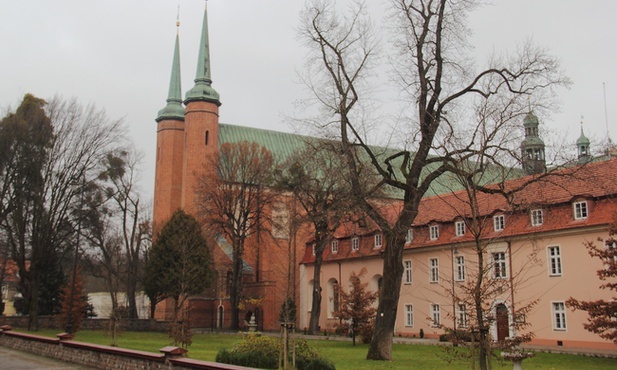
{"x":533,"y":251}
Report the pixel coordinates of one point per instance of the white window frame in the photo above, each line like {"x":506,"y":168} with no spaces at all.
{"x":408,"y":273}
{"x":461,"y":311}
{"x":435,"y":315}
{"x":409,"y":315}
{"x":581,"y":210}
{"x":433,"y":272}
{"x":334,"y":246}
{"x":459,"y":227}
{"x":459,"y":262}
{"x":554,"y":260}
{"x":378,"y":240}
{"x":499,"y":222}
{"x":500,"y":265}
{"x":434,"y":232}
{"x":409,"y":236}
{"x":537,"y":217}
{"x":355,"y":244}
{"x":558,"y":310}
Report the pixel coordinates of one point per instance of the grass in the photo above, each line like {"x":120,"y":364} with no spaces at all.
{"x":343,"y":354}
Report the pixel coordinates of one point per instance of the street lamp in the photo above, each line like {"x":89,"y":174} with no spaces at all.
{"x":69,"y":318}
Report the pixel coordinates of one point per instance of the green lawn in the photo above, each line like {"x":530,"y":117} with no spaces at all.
{"x":343,"y":354}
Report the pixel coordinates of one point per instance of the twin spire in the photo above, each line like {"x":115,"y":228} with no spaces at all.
{"x":202,"y":91}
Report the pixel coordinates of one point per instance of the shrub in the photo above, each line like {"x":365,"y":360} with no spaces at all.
{"x":421,"y":334}
{"x":263,"y":352}
{"x":366,"y":332}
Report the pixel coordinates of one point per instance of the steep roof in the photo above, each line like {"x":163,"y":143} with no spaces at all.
{"x":553,"y":193}
{"x":282,"y":145}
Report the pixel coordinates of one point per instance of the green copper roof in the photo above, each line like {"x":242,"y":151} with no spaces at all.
{"x":582,"y":140}
{"x":531,"y":120}
{"x":174,"y":109}
{"x":203,"y":91}
{"x":282,"y":145}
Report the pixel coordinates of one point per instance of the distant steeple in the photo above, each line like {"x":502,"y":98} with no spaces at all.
{"x":582,"y":143}
{"x":174,"y":109}
{"x":532,"y":147}
{"x":203,"y":91}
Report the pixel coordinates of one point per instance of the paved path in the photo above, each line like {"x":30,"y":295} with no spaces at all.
{"x":17,"y":360}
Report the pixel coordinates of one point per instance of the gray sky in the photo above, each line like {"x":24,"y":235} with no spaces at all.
{"x":117,"y":54}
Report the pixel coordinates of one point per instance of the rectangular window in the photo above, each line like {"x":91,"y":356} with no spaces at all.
{"x":408,"y":273}
{"x":499,"y":222}
{"x":435,"y":315}
{"x":580,"y":210}
{"x":537,"y":217}
{"x":460,"y":268}
{"x":280,"y":221}
{"x":460,"y":228}
{"x":408,"y":315}
{"x":462,"y":315}
{"x":434,"y":230}
{"x":559,"y":316}
{"x":554,"y":261}
{"x":378,"y":240}
{"x":611,"y":250}
{"x":433,"y":273}
{"x":409,"y":236}
{"x":355,"y":244}
{"x":334,"y":246}
{"x":313,"y":248}
{"x":499,"y":265}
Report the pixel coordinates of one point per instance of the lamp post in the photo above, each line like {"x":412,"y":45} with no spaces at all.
{"x":69,"y":318}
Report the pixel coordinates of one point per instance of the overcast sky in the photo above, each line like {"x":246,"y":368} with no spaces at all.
{"x":117,"y":54}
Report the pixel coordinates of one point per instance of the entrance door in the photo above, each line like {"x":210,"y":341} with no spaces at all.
{"x":503,"y":327}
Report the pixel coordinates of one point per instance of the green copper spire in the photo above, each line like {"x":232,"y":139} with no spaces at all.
{"x":203,"y":91}
{"x":174,"y":109}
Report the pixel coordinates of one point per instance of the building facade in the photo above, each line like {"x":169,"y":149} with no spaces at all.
{"x":533,"y":248}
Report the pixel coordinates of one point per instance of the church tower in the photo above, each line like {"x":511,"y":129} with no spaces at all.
{"x":532,"y":147}
{"x":201,"y":123}
{"x":584,"y":154}
{"x":169,"y":148}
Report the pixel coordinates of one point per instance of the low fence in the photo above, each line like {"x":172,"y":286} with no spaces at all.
{"x":104,"y":357}
{"x":51,"y":322}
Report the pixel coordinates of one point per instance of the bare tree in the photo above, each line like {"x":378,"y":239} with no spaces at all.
{"x":58,"y":145}
{"x":432,"y":68}
{"x":120,"y":186}
{"x":316,"y":178}
{"x":232,"y":197}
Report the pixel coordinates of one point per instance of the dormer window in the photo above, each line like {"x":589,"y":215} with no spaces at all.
{"x":580,"y":210}
{"x":459,"y":227}
{"x":378,"y":240}
{"x":355,"y":244}
{"x":499,"y":222}
{"x":537,"y":217}
{"x":434,"y":232}
{"x":409,"y":236}
{"x":334,"y":246}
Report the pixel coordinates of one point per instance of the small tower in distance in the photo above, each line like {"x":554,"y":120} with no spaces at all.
{"x":169,"y":147}
{"x":584,"y":154}
{"x":532,"y":147}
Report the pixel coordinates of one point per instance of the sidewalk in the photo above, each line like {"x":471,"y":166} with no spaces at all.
{"x":17,"y":360}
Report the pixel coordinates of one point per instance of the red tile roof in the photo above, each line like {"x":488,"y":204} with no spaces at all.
{"x":595,"y":182}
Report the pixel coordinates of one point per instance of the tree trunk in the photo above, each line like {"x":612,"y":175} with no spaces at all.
{"x":236,"y":292}
{"x":316,"y":305}
{"x":131,"y":287}
{"x":381,"y":344}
